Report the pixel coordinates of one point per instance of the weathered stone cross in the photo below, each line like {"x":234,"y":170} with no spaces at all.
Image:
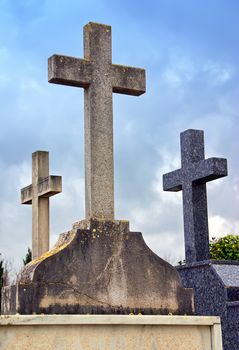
{"x":43,"y":186}
{"x":99,"y":78}
{"x":191,"y":179}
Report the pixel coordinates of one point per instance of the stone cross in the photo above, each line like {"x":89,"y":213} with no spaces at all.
{"x":43,"y":186}
{"x":99,"y":78}
{"x":195,"y":172}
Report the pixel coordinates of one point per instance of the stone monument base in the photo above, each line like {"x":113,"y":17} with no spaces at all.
{"x":99,"y":267}
{"x":109,"y":332}
{"x":216,"y":287}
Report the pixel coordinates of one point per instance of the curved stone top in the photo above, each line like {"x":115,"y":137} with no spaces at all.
{"x":102,"y":268}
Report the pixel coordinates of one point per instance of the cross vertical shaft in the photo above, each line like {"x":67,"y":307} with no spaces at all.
{"x":195,"y":213}
{"x":99,"y":166}
{"x":40,"y":205}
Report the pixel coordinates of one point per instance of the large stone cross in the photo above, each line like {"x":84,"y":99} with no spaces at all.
{"x":99,"y":78}
{"x":43,"y":186}
{"x":196,"y":171}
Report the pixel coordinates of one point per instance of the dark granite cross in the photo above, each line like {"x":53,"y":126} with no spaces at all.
{"x":99,"y":78}
{"x":195,"y":172}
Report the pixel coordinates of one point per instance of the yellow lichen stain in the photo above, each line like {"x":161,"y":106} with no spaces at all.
{"x":73,"y":279}
{"x":52,"y":251}
{"x":98,"y":24}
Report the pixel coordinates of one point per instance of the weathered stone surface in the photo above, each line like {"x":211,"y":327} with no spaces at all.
{"x":43,"y":186}
{"x":101,"y":267}
{"x":216,"y":290}
{"x":195,"y":172}
{"x":99,"y":77}
{"x":110,"y":332}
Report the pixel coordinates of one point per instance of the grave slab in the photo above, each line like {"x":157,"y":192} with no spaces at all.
{"x":111,"y":332}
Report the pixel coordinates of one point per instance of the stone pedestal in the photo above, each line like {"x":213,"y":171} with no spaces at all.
{"x":100,"y":267}
{"x":111,"y":332}
{"x":216,"y":292}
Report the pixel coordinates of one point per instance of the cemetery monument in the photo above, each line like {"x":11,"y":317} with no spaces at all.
{"x":191,"y":179}
{"x":215,"y":283}
{"x":80,"y":293}
{"x":100,"y":266}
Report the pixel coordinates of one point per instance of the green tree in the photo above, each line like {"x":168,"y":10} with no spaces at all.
{"x":1,"y":273}
{"x":225,"y":248}
{"x":28,"y":257}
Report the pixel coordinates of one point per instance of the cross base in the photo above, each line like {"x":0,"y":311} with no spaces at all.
{"x":101,"y":267}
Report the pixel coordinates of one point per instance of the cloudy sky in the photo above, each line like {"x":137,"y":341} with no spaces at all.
{"x":190,"y":52}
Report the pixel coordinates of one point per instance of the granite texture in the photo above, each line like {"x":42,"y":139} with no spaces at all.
{"x":229,"y":274}
{"x":216,"y":292}
{"x":100,"y":267}
{"x":195,"y":172}
{"x":99,"y":78}
{"x":43,"y":186}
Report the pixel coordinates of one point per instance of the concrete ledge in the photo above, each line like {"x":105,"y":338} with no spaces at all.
{"x":109,"y":332}
{"x":22,"y":320}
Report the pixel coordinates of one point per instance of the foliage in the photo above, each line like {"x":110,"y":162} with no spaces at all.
{"x":1,"y":279}
{"x":1,"y":274}
{"x":182,"y":262}
{"x":225,"y":248}
{"x":28,"y":257}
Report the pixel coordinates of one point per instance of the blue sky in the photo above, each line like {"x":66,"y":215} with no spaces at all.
{"x":190,"y":52}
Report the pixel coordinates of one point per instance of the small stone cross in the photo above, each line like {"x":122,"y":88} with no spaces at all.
{"x":196,"y":171}
{"x":43,"y":186}
{"x":99,"y":78}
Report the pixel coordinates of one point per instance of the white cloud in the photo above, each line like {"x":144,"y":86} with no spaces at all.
{"x":220,"y":226}
{"x":169,"y":163}
{"x":31,"y":84}
{"x":169,"y":247}
{"x":183,"y":68}
{"x":218,"y":73}
{"x":160,"y":220}
{"x":180,"y":70}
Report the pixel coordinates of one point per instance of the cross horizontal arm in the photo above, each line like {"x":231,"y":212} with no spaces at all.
{"x":173,"y":181}
{"x":49,"y":186}
{"x":26,"y":195}
{"x":128,"y":80}
{"x":209,"y":169}
{"x":68,"y":70}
